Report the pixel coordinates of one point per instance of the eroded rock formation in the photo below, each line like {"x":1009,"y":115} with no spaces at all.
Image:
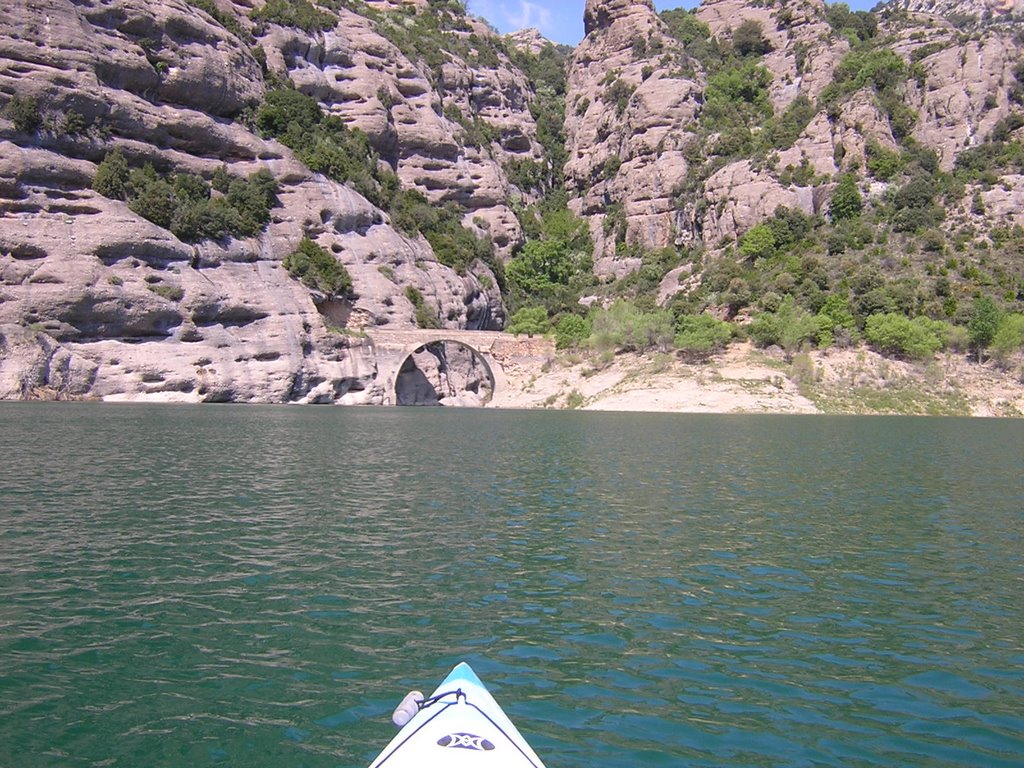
{"x":91,"y":281}
{"x":97,"y":301}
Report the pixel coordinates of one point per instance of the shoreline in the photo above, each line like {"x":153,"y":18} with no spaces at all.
{"x":740,"y":380}
{"x":743,"y":379}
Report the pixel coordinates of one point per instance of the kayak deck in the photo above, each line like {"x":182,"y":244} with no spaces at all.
{"x":459,"y":724}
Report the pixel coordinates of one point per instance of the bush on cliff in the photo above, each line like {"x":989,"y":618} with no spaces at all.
{"x":184,"y":204}
{"x":318,"y":269}
{"x":24,"y":112}
{"x":112,"y":176}
{"x":453,"y":244}
{"x":426,"y":316}
{"x":300,"y":14}
{"x":325,"y":144}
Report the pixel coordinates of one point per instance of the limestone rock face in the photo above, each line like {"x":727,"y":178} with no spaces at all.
{"x":628,"y":120}
{"x":33,"y":365}
{"x":804,"y":50}
{"x":993,"y":10}
{"x":417,"y":119}
{"x":98,"y":302}
{"x":964,"y":94}
{"x":530,"y":40}
{"x":960,"y":89}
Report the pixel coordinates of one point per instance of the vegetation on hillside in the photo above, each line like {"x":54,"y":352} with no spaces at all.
{"x":318,"y":269}
{"x":903,"y":271}
{"x":907,"y":272}
{"x":191,"y":207}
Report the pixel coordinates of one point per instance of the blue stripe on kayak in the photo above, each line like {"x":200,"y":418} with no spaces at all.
{"x":465,"y":672}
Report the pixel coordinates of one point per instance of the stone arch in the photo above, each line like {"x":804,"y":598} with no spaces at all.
{"x":430,"y":374}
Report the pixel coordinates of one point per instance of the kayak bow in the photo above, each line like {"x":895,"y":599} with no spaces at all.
{"x":459,"y":724}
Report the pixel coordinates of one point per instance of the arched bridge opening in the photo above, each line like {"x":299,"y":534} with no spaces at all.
{"x":444,"y":372}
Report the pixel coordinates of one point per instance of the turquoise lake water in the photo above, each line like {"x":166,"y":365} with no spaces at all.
{"x":260,"y":586}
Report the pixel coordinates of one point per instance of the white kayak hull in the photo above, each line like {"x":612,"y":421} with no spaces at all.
{"x":461,"y":725}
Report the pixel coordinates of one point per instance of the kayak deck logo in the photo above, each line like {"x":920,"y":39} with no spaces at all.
{"x":465,"y":741}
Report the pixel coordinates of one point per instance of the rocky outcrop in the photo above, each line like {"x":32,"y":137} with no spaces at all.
{"x":34,"y":366}
{"x":964,"y":92}
{"x":628,"y":121}
{"x":803,"y":49}
{"x":147,"y":315}
{"x":964,"y":10}
{"x":419,"y":119}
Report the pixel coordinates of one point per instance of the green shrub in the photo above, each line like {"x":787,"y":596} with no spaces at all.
{"x":737,"y":95}
{"x":758,"y":242}
{"x":693,"y":33}
{"x":151,"y":196}
{"x":748,"y":39}
{"x":24,"y":112}
{"x":545,"y":269}
{"x":836,"y":322}
{"x":846,"y":201}
{"x":861,"y":25}
{"x":878,"y":69}
{"x":619,"y":94}
{"x":229,"y":22}
{"x":883,"y":164}
{"x":112,"y":176}
{"x":789,"y":327}
{"x":625,"y":327}
{"x":983,"y":324}
{"x":424,"y":314}
{"x":325,"y":144}
{"x":701,"y":335}
{"x":169,"y":292}
{"x":73,"y":123}
{"x":300,"y":14}
{"x":454,"y":245}
{"x":533,"y":321}
{"x":789,"y":226}
{"x":896,"y":334}
{"x":221,"y":179}
{"x":183,"y":203}
{"x":318,"y":269}
{"x":782,"y":131}
{"x":571,"y":331}
{"x":252,"y":199}
{"x":1009,"y":337}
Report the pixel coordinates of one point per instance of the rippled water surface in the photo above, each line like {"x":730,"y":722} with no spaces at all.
{"x":248,"y":586}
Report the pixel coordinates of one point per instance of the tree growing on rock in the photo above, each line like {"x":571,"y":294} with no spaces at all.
{"x":846,"y":200}
{"x":112,"y":176}
{"x":24,"y":112}
{"x":983,"y":325}
{"x":318,"y":269}
{"x":748,"y":39}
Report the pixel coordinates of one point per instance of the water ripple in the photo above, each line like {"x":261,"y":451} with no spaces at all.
{"x":259,"y":586}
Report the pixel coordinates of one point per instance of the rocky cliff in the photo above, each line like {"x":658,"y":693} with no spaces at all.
{"x":124,"y":307}
{"x":644,"y":147}
{"x":406,"y":142}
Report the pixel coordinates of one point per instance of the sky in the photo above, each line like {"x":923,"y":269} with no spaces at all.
{"x":562,"y":20}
